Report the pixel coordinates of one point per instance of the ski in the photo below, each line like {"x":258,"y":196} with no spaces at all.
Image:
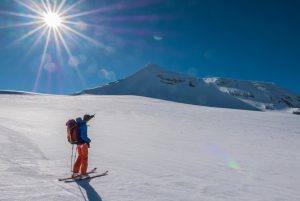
{"x":89,"y":172}
{"x":86,"y":178}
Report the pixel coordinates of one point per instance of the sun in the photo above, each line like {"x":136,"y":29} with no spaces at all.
{"x":56,"y":23}
{"x":52,"y":20}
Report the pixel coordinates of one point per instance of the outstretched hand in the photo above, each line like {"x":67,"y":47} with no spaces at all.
{"x":88,"y":117}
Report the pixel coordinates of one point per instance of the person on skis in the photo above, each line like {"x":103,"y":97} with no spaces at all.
{"x":81,"y":164}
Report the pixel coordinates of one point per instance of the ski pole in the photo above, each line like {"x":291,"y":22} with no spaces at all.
{"x":72,"y":157}
{"x":75,"y":154}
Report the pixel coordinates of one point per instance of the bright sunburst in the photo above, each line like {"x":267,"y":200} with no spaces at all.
{"x":52,"y":20}
{"x":58,"y":23}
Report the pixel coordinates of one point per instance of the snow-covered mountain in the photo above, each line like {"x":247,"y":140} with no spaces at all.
{"x":153,"y":149}
{"x":157,"y":82}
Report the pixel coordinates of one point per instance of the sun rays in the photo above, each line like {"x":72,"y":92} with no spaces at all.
{"x":51,"y":16}
{"x":61,"y":25}
{"x":50,"y":20}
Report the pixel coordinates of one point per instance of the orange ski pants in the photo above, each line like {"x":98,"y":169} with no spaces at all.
{"x":81,"y":163}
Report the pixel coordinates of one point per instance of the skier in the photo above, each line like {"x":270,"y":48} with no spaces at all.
{"x":78,"y":135}
{"x":81,"y":164}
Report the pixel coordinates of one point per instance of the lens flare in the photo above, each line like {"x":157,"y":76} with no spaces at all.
{"x":220,"y":154}
{"x":51,"y":21}
{"x":56,"y":23}
{"x":233,"y":165}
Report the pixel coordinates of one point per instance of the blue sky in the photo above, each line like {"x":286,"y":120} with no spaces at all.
{"x":251,"y":40}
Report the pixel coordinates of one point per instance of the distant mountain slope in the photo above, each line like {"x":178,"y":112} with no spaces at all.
{"x":261,"y":95}
{"x":157,"y":82}
{"x":11,"y":92}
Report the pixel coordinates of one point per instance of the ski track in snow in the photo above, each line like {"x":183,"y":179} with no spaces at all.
{"x":153,"y":149}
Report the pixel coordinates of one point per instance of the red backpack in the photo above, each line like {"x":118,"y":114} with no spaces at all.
{"x":73,"y":131}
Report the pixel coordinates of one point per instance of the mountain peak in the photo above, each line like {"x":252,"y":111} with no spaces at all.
{"x":153,"y":68}
{"x":158,"y":82}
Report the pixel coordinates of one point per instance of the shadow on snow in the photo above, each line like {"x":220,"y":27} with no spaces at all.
{"x":91,"y":193}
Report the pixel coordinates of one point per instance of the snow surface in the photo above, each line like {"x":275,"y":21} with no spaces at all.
{"x":157,"y":82}
{"x":153,"y":149}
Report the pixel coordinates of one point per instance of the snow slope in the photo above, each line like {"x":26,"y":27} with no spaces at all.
{"x":153,"y":149}
{"x":157,"y":82}
{"x":262,"y":95}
